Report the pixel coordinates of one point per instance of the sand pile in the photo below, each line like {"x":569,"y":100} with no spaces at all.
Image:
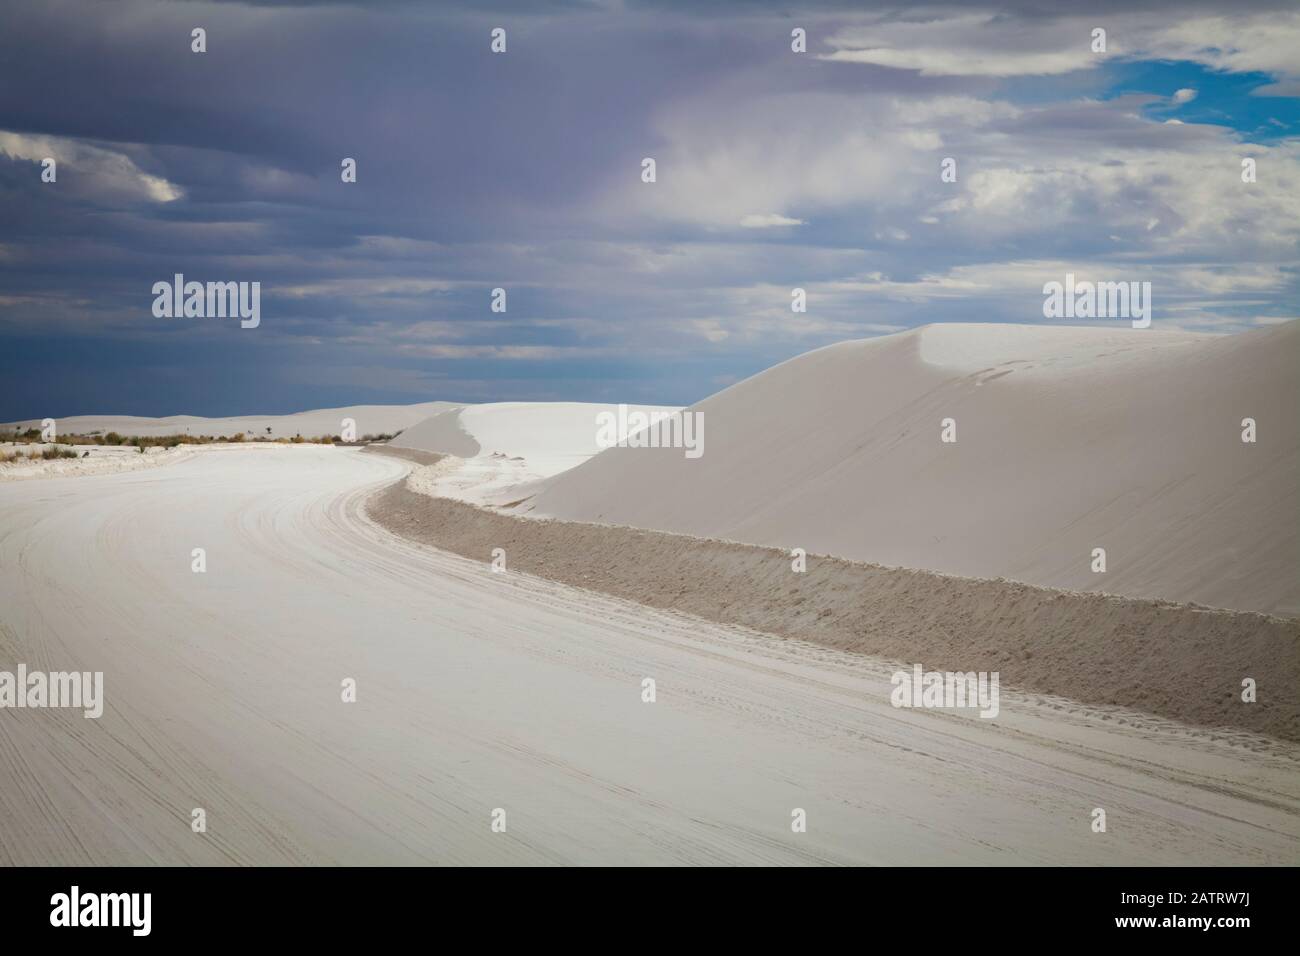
{"x":1181,"y":662}
{"x":1067,"y":440}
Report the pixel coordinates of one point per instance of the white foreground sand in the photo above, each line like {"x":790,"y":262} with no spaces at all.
{"x":1183,"y":663}
{"x":479,"y":690}
{"x":369,"y":419}
{"x":1068,"y":439}
{"x":111,"y":459}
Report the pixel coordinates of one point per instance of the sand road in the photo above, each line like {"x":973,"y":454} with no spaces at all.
{"x":478,"y":691}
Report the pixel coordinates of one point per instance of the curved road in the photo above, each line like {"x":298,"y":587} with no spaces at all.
{"x":478,"y":691}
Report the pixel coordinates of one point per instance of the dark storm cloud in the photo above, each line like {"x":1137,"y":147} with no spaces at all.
{"x":522,"y":171}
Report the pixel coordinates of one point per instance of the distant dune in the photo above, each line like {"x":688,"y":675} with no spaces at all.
{"x":1068,"y":439}
{"x":532,"y":430}
{"x":370,"y":420}
{"x":505,"y":448}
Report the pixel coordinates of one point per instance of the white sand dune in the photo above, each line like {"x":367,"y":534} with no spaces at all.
{"x":370,"y":419}
{"x":1068,"y":439}
{"x":505,"y":447}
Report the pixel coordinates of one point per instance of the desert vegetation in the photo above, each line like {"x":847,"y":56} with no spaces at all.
{"x":33,"y":436}
{"x":36,"y":454}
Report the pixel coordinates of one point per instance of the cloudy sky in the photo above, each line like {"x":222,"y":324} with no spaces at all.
{"x":522,"y":170}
